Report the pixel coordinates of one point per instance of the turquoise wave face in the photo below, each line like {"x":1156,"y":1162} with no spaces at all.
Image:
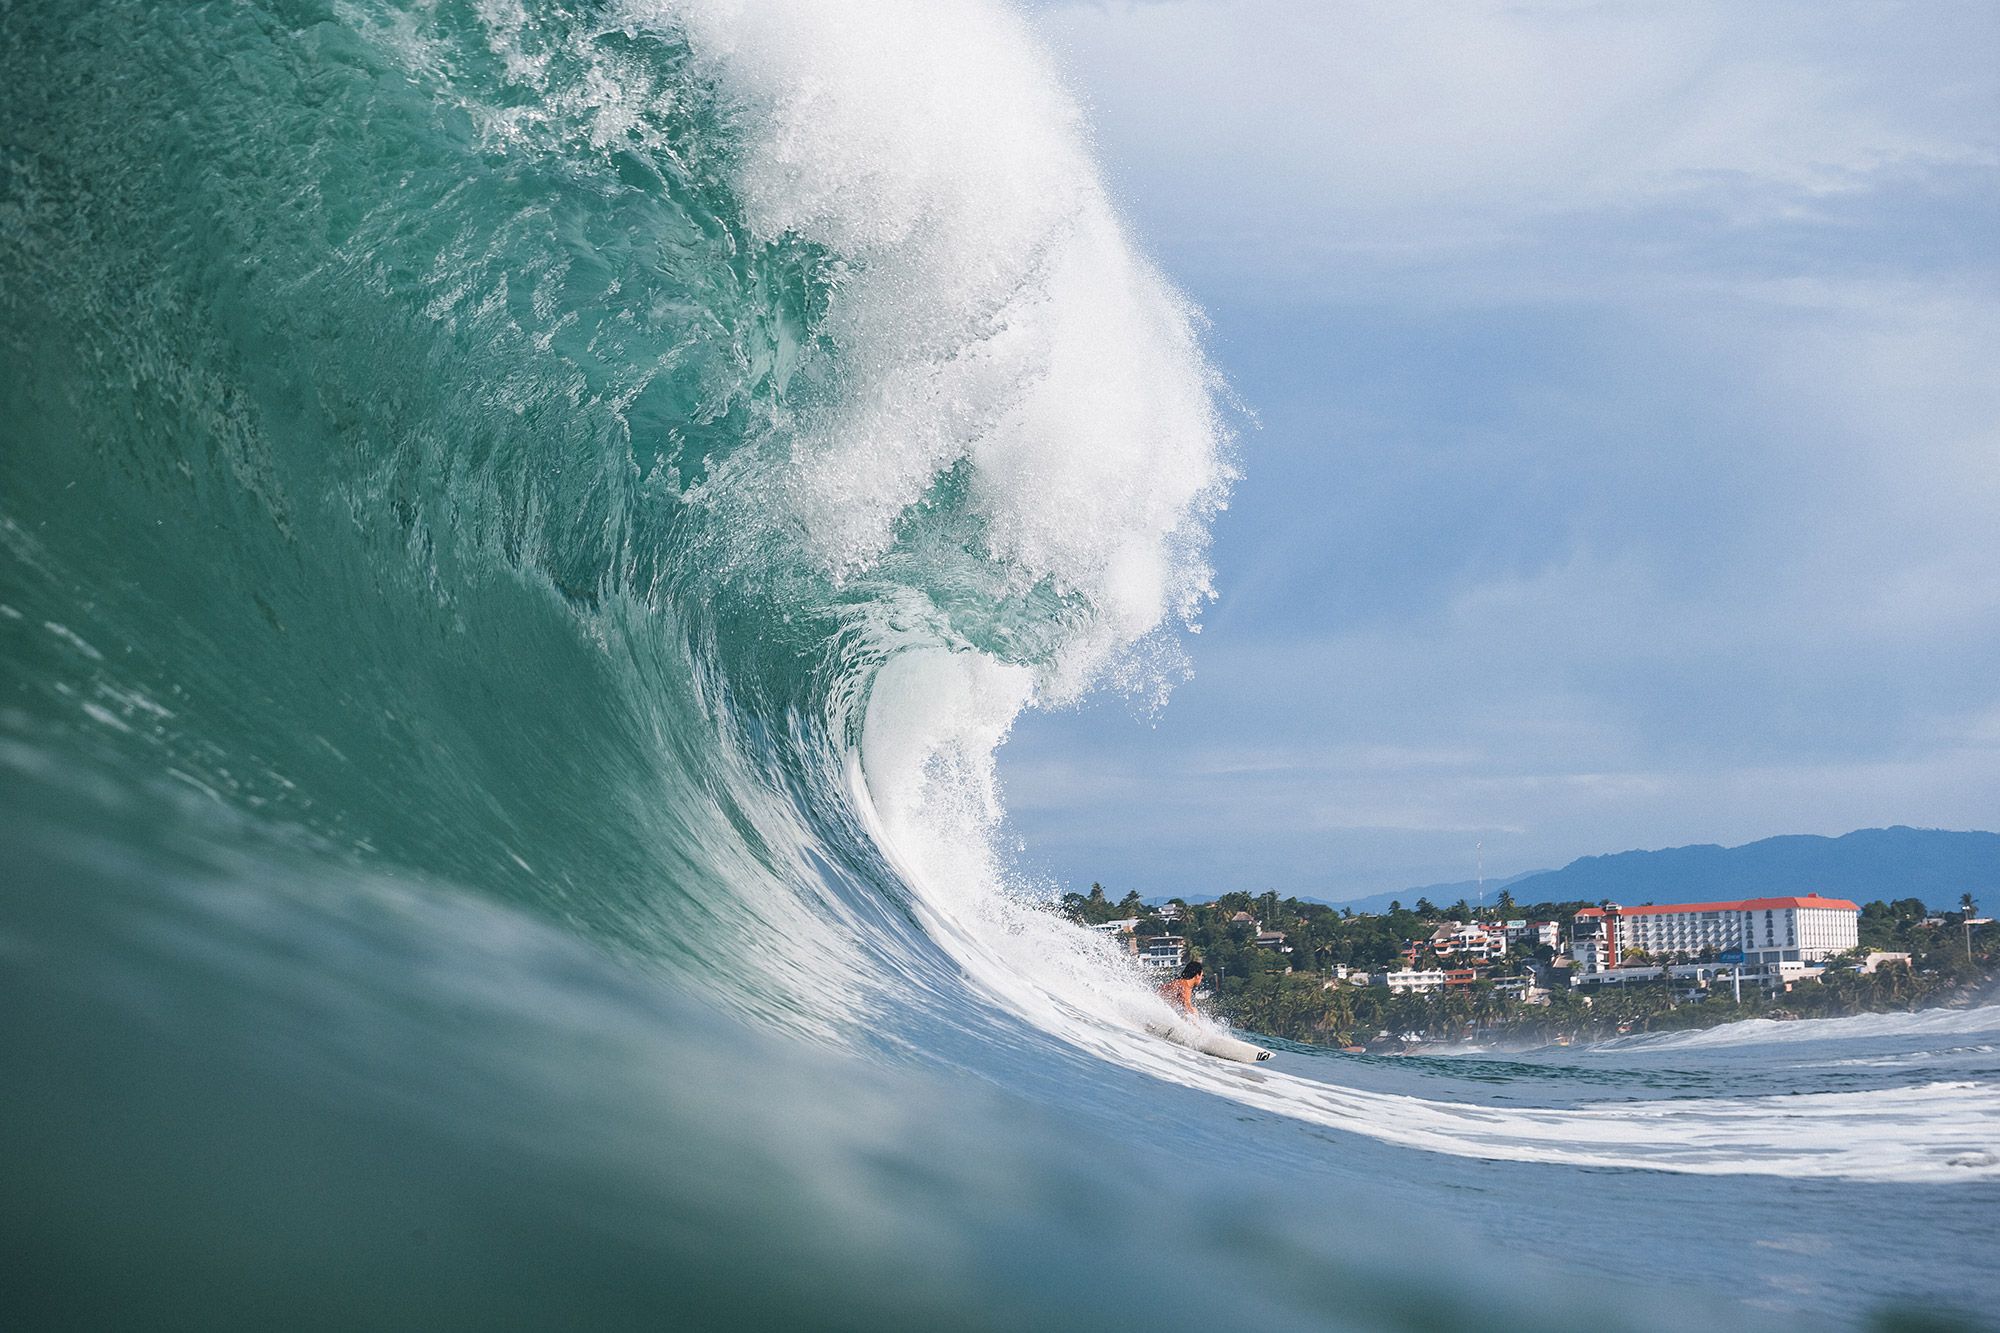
{"x":365,"y":403}
{"x":433,"y":430}
{"x":422,"y":402}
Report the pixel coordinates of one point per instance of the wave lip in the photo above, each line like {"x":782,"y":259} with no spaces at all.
{"x":1012,"y":379}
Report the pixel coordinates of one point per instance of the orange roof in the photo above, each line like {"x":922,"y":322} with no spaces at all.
{"x":1746,"y":905}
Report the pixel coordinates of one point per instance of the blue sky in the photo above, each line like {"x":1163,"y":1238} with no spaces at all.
{"x":1626,"y":466}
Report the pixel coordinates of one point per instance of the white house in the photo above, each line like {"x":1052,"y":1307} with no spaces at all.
{"x":1410,"y":979}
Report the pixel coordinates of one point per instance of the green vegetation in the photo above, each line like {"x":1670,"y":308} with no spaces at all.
{"x":1294,"y":994}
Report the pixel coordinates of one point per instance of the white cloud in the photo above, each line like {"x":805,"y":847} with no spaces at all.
{"x":1634,"y":443}
{"x":1297,"y":132}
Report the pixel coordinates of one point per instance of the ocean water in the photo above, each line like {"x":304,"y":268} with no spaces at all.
{"x":523,"y":528}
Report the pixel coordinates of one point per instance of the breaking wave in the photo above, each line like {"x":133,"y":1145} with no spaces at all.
{"x":525,"y":528}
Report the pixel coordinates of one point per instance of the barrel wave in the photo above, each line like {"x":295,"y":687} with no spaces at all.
{"x":524,"y":527}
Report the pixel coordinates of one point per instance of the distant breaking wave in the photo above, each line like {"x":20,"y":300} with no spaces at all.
{"x":1922,"y":1024}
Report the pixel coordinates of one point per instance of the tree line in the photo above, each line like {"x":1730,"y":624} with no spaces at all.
{"x":1294,"y":995}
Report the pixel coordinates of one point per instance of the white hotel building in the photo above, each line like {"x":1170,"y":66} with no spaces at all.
{"x":1765,"y":930}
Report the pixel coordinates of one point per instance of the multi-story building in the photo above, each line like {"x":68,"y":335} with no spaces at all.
{"x":1472,"y":940}
{"x":1163,"y":953}
{"x":1760,"y":930}
{"x":1530,"y":934}
{"x":1410,"y":979}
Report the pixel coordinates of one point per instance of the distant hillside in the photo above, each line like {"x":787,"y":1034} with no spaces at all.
{"x":1443,"y":895}
{"x":1936,"y":865}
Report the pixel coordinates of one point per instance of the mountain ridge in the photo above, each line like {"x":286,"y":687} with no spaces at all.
{"x":1935,"y":865}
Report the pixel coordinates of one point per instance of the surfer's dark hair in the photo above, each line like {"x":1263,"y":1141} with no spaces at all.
{"x":1192,"y":970}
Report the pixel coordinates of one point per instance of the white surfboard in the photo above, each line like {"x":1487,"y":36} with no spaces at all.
{"x":1219,"y":1044}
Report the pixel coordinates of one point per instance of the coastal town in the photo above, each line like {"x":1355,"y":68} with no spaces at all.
{"x":1545,"y":972}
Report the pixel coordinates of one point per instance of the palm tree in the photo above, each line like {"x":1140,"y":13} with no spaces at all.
{"x":1339,"y":1015}
{"x":1966,"y":905}
{"x":1487,"y":1006}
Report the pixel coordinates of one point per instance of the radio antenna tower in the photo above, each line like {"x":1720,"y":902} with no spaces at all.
{"x":1479,"y":850}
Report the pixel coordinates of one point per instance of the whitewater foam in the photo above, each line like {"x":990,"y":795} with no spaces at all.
{"x":992,"y":319}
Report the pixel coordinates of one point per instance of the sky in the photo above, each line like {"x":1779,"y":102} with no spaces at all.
{"x":1620,"y":436}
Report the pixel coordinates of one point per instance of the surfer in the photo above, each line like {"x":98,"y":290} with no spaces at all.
{"x":1180,"y":991}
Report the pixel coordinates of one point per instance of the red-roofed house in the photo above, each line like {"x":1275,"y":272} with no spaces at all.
{"x":1767,"y":930}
